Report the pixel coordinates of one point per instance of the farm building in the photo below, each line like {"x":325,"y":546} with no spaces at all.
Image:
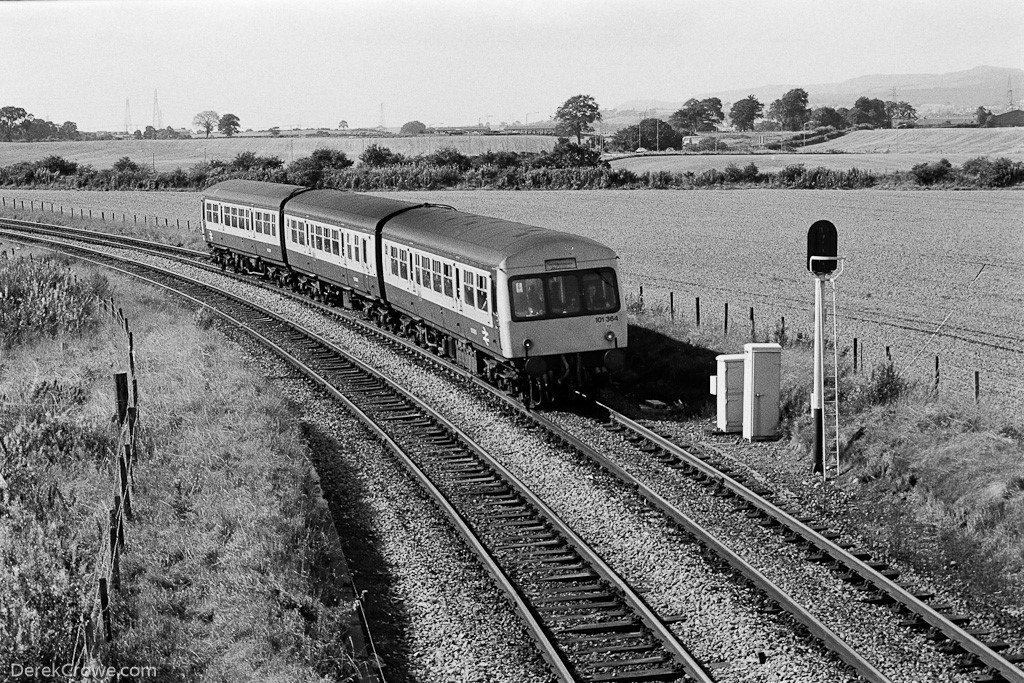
{"x":1008,"y":119}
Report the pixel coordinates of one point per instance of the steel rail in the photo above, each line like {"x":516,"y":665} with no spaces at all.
{"x":550,"y":651}
{"x":934,"y":618}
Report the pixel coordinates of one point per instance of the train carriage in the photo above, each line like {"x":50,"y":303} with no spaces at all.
{"x":330,"y":242}
{"x":242,"y":222}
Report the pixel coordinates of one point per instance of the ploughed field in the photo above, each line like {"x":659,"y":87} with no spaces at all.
{"x":168,"y":155}
{"x":928,"y":272}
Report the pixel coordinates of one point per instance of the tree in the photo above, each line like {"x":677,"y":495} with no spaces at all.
{"x":900,"y":111}
{"x":870,"y":111}
{"x":827,"y":116}
{"x":577,"y":114}
{"x":343,"y":125}
{"x":206,"y":121}
{"x":125,"y":165}
{"x":310,"y":170}
{"x":698,"y":115}
{"x":228,"y":124}
{"x":790,"y":110}
{"x":745,"y":112}
{"x":376,"y":155}
{"x":648,"y":134}
{"x":69,"y":131}
{"x":9,"y":118}
{"x":413,"y":128}
{"x":275,"y":131}
{"x":149,"y":133}
{"x":983,"y":115}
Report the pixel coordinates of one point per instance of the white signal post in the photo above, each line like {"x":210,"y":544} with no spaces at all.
{"x":822,"y":260}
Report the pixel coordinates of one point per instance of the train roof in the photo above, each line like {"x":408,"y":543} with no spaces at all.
{"x":254,"y":192}
{"x":490,"y":242}
{"x":358,"y":210}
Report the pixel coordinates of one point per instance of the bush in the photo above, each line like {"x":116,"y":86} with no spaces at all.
{"x":929,"y":174}
{"x":376,"y":155}
{"x":999,"y":173}
{"x":448,"y":156}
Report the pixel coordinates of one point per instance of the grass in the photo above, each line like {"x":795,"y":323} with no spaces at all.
{"x":229,"y":568}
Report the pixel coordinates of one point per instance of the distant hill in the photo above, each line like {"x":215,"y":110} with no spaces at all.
{"x":959,"y":91}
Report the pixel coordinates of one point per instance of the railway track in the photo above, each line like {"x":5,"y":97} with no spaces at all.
{"x":875,"y":580}
{"x":587,"y":622}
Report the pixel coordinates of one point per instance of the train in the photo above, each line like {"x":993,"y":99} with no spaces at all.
{"x":536,"y":312}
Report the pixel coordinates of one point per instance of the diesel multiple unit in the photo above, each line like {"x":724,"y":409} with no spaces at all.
{"x":536,"y":311}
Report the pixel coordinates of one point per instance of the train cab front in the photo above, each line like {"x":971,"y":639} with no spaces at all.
{"x":567,"y":327}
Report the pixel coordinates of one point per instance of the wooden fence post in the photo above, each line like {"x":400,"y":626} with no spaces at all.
{"x":108,"y":634}
{"x":977,"y":387}
{"x":936,"y":375}
{"x":672,"y":305}
{"x":855,"y":368}
{"x":726,"y":321}
{"x":698,"y":311}
{"x":121,"y":392}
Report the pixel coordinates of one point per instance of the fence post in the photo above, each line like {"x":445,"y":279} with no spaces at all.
{"x":726,"y":322}
{"x":888,"y":353}
{"x":121,"y":392}
{"x":753,"y":332}
{"x":122,"y":470}
{"x":936,"y":375}
{"x":977,"y":386}
{"x":855,"y":369}
{"x":672,"y":305}
{"x":698,"y":311}
{"x":105,"y":610}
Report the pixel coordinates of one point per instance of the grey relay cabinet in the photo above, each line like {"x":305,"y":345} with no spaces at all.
{"x":748,"y":387}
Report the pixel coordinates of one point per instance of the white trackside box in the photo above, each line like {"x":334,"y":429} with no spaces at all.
{"x":727,"y":385}
{"x":762,"y":387}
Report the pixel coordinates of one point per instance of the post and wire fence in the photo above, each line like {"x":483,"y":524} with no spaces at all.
{"x":780,"y":333}
{"x":101,"y":215}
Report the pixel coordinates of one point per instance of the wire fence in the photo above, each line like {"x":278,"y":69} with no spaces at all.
{"x":95,"y":631}
{"x":106,"y":216}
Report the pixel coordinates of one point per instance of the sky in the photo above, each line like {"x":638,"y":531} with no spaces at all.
{"x":314,"y":63}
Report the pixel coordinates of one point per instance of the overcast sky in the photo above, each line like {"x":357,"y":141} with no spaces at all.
{"x":315,"y":62}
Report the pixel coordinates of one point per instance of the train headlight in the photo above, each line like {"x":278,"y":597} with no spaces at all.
{"x":527,"y":344}
{"x":609,"y":336}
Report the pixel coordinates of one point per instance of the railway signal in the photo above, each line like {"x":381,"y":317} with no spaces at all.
{"x":823,"y":261}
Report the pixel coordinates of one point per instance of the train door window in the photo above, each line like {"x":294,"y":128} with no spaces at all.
{"x":348,"y":244}
{"x":319,"y":238}
{"x":563,"y":295}
{"x":416,"y":267}
{"x":334,"y":243}
{"x":468,"y":291}
{"x":302,"y":232}
{"x":437,"y":274}
{"x":481,"y":292}
{"x":448,"y":291}
{"x":527,"y":298}
{"x":258,"y":222}
{"x":356,"y":240}
{"x":247,"y":219}
{"x":364,"y":250}
{"x":393,"y":253}
{"x":273,"y":225}
{"x":599,"y":291}
{"x":403,"y":263}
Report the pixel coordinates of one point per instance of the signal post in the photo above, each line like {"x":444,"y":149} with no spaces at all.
{"x":822,"y":261}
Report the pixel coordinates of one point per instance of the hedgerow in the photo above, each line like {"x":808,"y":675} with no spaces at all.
{"x":566,"y":167}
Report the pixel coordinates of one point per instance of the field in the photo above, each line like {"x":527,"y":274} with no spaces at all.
{"x":871,"y":150}
{"x":928,"y":273}
{"x":168,"y":155}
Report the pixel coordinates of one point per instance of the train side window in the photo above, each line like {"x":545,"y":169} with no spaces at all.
{"x":403,"y":263}
{"x":393,"y":254}
{"x":468,"y":291}
{"x":247,"y":218}
{"x":356,"y":240}
{"x":528,"y":297}
{"x":273,"y":224}
{"x":302,"y":232}
{"x":481,"y":292}
{"x":334,"y":243}
{"x":416,"y":267}
{"x":437,"y":274}
{"x":448,"y":291}
{"x":319,"y":238}
{"x":348,"y":244}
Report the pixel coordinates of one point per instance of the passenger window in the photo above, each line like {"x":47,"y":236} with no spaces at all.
{"x":468,"y":294}
{"x":437,"y":275}
{"x":348,"y":245}
{"x":448,"y":289}
{"x":403,"y":264}
{"x":481,"y":292}
{"x":364,"y":250}
{"x":528,"y":298}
